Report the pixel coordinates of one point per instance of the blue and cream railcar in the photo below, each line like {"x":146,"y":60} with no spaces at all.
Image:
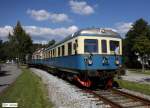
{"x":95,"y":53}
{"x":90,"y":45}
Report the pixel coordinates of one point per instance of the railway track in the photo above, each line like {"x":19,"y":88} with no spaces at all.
{"x":119,"y":99}
{"x":115,"y":98}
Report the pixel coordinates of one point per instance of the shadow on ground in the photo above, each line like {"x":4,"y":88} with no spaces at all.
{"x":147,"y":79}
{"x":4,"y":85}
{"x":4,"y":73}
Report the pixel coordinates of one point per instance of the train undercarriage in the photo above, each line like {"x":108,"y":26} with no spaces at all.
{"x":88,"y":79}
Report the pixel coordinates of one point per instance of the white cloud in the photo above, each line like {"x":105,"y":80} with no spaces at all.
{"x":41,"y":15}
{"x":4,"y":31}
{"x":59,"y":17}
{"x":41,"y":33}
{"x":123,"y":27}
{"x":81,"y":7}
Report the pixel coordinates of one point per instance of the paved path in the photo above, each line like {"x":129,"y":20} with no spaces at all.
{"x":8,"y":74}
{"x":141,"y":78}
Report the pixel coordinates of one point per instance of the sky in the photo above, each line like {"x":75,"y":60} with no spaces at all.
{"x":55,"y":19}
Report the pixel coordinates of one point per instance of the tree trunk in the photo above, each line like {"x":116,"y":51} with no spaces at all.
{"x":143,"y":68}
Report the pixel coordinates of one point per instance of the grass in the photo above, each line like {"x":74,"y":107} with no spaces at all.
{"x":139,"y":71}
{"x":28,"y":91}
{"x":143,"y":88}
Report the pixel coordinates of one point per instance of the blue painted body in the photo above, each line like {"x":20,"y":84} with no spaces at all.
{"x":77,"y":62}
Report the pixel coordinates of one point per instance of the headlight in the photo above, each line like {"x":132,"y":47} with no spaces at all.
{"x":117,"y":62}
{"x":90,"y":61}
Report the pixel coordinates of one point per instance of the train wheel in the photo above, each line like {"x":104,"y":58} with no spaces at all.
{"x":109,"y":84}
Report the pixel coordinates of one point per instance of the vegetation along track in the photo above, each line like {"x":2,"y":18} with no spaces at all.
{"x":119,"y":99}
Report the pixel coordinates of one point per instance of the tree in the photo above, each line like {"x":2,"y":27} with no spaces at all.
{"x":1,"y":52}
{"x":139,"y":28}
{"x":51,"y":42}
{"x":142,"y":47}
{"x":20,"y":42}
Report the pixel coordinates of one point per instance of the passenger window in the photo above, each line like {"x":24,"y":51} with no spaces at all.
{"x":63,"y":50}
{"x":49,"y":54}
{"x":58,"y":51}
{"x":53,"y":53}
{"x":69,"y":48}
{"x":104,"y":46}
{"x":91,"y":45}
{"x":113,"y":45}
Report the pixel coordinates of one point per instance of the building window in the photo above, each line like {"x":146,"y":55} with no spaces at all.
{"x":63,"y":50}
{"x":70,"y":48}
{"x":104,"y":46}
{"x":113,"y":45}
{"x":91,"y":45}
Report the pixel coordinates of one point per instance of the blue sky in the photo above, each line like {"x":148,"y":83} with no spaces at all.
{"x":55,"y":19}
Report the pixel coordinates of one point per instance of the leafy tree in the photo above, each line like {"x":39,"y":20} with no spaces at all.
{"x":1,"y":52}
{"x":139,"y":28}
{"x":20,"y":42}
{"x":51,"y":42}
{"x":142,"y":47}
{"x":4,"y":50}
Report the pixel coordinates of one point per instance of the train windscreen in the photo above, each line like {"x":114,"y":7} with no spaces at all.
{"x":91,"y":45}
{"x":113,"y":45}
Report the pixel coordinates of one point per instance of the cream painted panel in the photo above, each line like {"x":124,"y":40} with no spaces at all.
{"x":73,"y":51}
{"x":120,"y":47}
{"x":80,"y":45}
{"x":56,"y":51}
{"x":66,"y":49}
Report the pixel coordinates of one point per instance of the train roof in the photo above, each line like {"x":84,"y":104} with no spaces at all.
{"x":90,"y":32}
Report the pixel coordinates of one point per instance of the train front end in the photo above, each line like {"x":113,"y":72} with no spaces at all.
{"x":100,"y":56}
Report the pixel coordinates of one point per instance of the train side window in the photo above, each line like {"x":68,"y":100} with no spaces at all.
{"x":49,"y":54}
{"x":91,"y":45}
{"x":53,"y":53}
{"x":58,"y":51}
{"x":63,"y":50}
{"x":75,"y":45}
{"x":70,"y":48}
{"x":113,"y":45}
{"x":104,"y":46}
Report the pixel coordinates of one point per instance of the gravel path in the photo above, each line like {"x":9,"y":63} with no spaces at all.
{"x":8,"y":74}
{"x":135,"y":77}
{"x":65,"y":95}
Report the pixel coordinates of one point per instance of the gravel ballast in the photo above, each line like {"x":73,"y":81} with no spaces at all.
{"x":65,"y":95}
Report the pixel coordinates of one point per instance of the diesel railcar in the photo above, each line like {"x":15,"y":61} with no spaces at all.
{"x":90,"y":56}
